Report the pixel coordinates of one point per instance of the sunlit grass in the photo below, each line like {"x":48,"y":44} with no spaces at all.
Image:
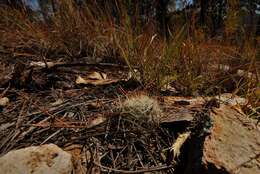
{"x":191,"y":61}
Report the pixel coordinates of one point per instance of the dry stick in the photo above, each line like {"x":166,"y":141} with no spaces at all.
{"x":6,"y":126}
{"x":49,"y":110}
{"x":75,"y":124}
{"x":120,"y":153}
{"x":65,"y":64}
{"x":8,"y":139}
{"x":138,"y":156}
{"x":129,"y":156}
{"x":61,"y":106}
{"x":5,"y":91}
{"x":112,"y":157}
{"x":56,"y":65}
{"x":32,"y":128}
{"x":20,"y":116}
{"x":52,"y":135}
{"x":152,"y":169}
{"x":152,"y":157}
{"x":16,"y":133}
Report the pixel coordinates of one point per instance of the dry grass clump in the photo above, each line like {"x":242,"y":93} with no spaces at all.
{"x":142,"y":108}
{"x":90,"y":30}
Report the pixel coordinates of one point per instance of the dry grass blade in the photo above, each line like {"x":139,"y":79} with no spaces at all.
{"x":176,"y":146}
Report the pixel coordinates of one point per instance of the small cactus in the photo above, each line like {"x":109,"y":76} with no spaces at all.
{"x":142,"y":108}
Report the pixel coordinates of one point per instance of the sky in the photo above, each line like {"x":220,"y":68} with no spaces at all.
{"x":32,"y":3}
{"x":35,"y":5}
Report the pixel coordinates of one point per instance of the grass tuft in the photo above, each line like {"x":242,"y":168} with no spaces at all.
{"x":189,"y":61}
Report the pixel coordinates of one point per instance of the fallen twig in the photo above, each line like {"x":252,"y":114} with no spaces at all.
{"x":151,"y":169}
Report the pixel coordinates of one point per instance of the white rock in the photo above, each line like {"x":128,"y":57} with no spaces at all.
{"x":4,"y":101}
{"x":49,"y":159}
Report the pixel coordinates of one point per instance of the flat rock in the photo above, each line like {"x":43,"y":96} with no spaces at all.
{"x":182,"y":108}
{"x":37,"y":160}
{"x":234,"y":143}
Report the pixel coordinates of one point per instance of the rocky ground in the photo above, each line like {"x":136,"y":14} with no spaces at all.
{"x":96,"y":118}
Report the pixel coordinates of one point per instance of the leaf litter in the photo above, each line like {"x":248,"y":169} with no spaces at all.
{"x":90,"y":108}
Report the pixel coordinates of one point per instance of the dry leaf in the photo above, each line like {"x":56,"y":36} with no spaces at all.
{"x":135,"y":74}
{"x":169,"y":87}
{"x":97,"y":76}
{"x":57,"y":102}
{"x":96,"y":79}
{"x":96,"y":121}
{"x":80,"y":80}
{"x":94,"y":105}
